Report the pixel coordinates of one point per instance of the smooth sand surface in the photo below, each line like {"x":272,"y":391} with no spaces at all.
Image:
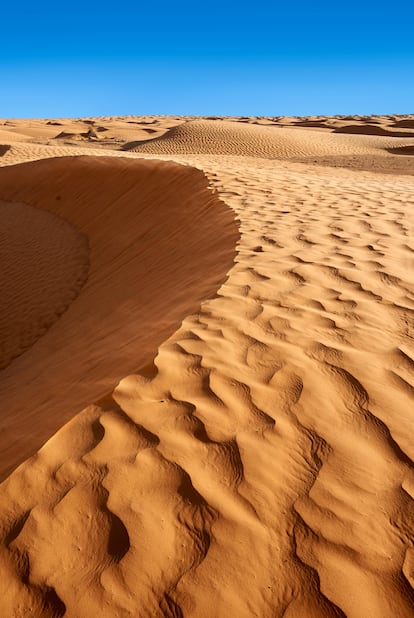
{"x":261,"y":462}
{"x":45,"y":262}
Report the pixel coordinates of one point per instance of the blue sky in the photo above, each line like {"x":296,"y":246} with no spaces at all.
{"x":224,"y":58}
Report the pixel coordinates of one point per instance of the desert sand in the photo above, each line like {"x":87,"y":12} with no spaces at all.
{"x":207,"y":367}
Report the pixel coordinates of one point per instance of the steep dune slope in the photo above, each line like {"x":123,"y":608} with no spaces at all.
{"x":160,"y":242}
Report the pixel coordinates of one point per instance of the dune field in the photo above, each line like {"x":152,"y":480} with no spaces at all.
{"x":207,"y":367}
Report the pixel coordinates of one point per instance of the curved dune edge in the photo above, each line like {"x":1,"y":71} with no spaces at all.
{"x":160,"y":243}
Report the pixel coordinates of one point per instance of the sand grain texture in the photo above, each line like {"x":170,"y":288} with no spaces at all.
{"x":263,"y":465}
{"x":44,"y":264}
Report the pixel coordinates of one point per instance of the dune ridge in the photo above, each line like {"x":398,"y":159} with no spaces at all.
{"x":143,"y":221}
{"x":263,"y":464}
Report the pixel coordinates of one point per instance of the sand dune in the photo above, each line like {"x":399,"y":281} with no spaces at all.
{"x":5,"y":136}
{"x":404,"y":123}
{"x":402,"y":150}
{"x":371,"y":129}
{"x":143,"y":225}
{"x":262,"y":463}
{"x":104,"y":131}
{"x":232,"y":138}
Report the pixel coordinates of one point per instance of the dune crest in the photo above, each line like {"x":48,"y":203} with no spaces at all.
{"x":153,"y":259}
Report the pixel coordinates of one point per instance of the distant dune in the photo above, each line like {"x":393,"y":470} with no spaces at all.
{"x":233,"y":138}
{"x":247,"y":139}
{"x":402,"y":150}
{"x":371,"y":129}
{"x":405,"y":123}
{"x":207,"y":408}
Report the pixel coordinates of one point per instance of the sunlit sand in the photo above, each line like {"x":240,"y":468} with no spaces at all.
{"x":207,"y":367}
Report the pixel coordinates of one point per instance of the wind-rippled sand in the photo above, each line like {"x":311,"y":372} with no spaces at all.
{"x":261,"y":462}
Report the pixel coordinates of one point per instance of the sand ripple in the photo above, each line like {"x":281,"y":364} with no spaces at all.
{"x":269,"y":142}
{"x":263,"y":465}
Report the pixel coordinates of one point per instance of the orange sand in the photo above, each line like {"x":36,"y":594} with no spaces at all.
{"x":261,"y":462}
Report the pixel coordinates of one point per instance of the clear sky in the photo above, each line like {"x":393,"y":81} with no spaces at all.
{"x":91,"y":58}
